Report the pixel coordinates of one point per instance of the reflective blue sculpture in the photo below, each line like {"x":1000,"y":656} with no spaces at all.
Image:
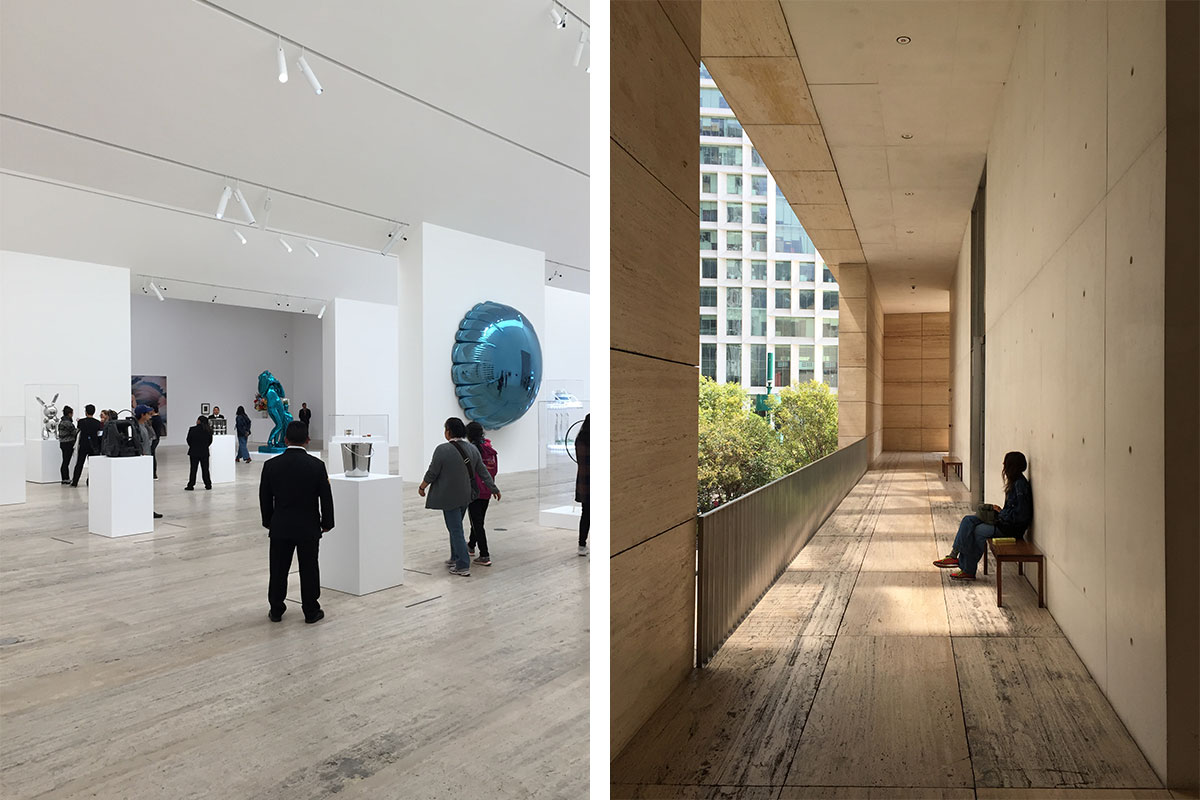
{"x":270,"y":398}
{"x":497,"y":364}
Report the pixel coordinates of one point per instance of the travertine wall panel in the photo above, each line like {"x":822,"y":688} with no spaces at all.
{"x":860,"y":354}
{"x":916,"y":373}
{"x":1074,"y":375}
{"x":959,"y":444}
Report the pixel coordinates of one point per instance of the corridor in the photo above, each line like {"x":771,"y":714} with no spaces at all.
{"x":864,"y":672}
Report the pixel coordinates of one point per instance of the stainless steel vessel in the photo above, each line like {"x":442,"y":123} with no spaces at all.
{"x":356,"y":459}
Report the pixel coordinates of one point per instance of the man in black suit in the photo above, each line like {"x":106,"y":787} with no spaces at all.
{"x":305,"y":413}
{"x":89,"y":440}
{"x":297,"y":507}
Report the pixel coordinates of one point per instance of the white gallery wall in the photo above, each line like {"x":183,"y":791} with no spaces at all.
{"x":360,"y":342}
{"x":63,"y":322}
{"x":1075,"y":326}
{"x":213,"y":353}
{"x":453,"y":271}
{"x":565,"y":342}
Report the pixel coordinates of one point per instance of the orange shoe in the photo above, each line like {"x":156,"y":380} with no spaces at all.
{"x":961,"y":576}
{"x":946,"y":563}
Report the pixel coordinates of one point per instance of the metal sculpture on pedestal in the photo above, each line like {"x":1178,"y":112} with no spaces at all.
{"x":497,"y":364}
{"x":49,"y":417}
{"x":270,"y":398}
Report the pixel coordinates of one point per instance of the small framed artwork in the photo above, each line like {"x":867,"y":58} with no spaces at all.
{"x":205,"y":409}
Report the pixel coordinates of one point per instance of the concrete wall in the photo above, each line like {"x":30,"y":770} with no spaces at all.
{"x":1075,"y":336}
{"x":860,"y":359}
{"x":960,"y":359}
{"x":654,"y":343}
{"x":916,"y":388}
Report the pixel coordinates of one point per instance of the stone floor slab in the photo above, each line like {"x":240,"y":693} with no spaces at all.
{"x":896,"y":604}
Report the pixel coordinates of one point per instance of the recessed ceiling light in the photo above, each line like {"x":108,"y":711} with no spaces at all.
{"x":910,"y":231}
{"x":906,"y":136}
{"x":903,"y":40}
{"x":908,"y":194}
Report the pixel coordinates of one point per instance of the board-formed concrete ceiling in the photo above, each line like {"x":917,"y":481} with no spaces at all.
{"x":464,"y":113}
{"x":904,"y":127}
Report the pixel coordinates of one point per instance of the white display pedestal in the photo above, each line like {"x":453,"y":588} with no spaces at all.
{"x":365,"y":551}
{"x":380,"y":455}
{"x":121,"y":495}
{"x":43,"y":461}
{"x":12,"y":473}
{"x":561,"y":517}
{"x":257,"y":456}
{"x":220,"y":459}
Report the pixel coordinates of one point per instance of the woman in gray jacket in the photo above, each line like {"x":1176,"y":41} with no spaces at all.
{"x":451,"y":483}
{"x":66,"y":442}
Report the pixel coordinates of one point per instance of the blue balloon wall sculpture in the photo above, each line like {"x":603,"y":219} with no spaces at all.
{"x":497,"y":364}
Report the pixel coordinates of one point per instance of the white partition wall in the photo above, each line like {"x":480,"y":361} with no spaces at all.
{"x":63,"y":322}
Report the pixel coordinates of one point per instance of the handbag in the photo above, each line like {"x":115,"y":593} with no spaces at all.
{"x":986,"y":514}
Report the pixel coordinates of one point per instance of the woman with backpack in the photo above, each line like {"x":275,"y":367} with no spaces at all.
{"x":242,"y":428}
{"x":199,"y":439}
{"x":66,"y":441}
{"x":477,"y":510}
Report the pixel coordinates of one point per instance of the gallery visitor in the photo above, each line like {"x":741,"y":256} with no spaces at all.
{"x":143,"y":435}
{"x":66,"y":442}
{"x":89,"y":440}
{"x":296,"y":501}
{"x":216,"y":413}
{"x":1011,"y":520}
{"x":477,"y":510}
{"x":199,"y":439}
{"x":160,"y":429}
{"x":242,"y":428}
{"x":583,"y":481}
{"x":451,"y":483}
{"x":305,"y":413}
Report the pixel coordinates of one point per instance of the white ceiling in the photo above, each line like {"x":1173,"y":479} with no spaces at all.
{"x":462,"y":113}
{"x":943,"y":89}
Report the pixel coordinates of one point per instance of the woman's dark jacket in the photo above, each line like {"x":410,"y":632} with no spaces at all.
{"x":583,"y":443}
{"x":242,"y":425}
{"x":1016,"y":516}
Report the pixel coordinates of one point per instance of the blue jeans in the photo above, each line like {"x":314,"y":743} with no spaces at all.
{"x":970,"y":540}
{"x":243,"y":451}
{"x":458,"y":541}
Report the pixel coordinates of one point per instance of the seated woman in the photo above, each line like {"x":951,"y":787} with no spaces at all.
{"x":1012,"y":520}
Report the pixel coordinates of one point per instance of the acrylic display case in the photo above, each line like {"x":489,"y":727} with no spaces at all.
{"x":12,"y":460}
{"x":559,"y":421}
{"x":342,"y":428}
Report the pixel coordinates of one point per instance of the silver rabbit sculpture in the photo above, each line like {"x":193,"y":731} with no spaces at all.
{"x":49,"y":417}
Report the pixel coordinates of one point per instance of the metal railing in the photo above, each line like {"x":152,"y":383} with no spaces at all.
{"x":745,"y":545}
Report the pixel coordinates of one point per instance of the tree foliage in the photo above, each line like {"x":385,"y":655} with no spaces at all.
{"x":741,"y":451}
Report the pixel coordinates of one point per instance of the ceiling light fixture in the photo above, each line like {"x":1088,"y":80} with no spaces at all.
{"x":910,"y":231}
{"x":284,"y":244}
{"x":393,"y":237}
{"x":906,"y":136}
{"x":157,"y":292}
{"x":225,"y":195}
{"x":321,"y":313}
{"x":903,"y":40}
{"x":238,"y":234}
{"x":308,"y":73}
{"x":560,"y":20}
{"x":580,"y":46}
{"x":908,"y":194}
{"x":237,"y":195}
{"x":312,"y":250}
{"x":281,"y":58}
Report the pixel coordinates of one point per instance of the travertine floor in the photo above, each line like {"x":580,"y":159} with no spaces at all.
{"x":866,"y":673}
{"x":145,"y":667}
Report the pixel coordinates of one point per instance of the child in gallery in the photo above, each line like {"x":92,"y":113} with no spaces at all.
{"x":477,"y":510}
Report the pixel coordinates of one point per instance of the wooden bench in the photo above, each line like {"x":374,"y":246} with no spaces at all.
{"x":1021,"y":552}
{"x":948,"y":463}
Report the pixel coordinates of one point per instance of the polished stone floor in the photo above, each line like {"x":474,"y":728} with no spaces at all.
{"x":866,"y":673}
{"x":145,"y":667}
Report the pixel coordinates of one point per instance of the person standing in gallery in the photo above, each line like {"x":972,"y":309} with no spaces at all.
{"x":216,"y":413}
{"x":477,"y":510}
{"x":199,"y":439}
{"x":305,"y":413}
{"x":159,"y":427}
{"x":451,"y":483}
{"x":143,"y":434}
{"x":296,"y":501}
{"x":241,"y":424}
{"x":66,"y":442}
{"x":89,"y":440}
{"x":583,"y":481}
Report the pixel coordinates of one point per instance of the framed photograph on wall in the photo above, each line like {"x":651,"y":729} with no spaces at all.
{"x":205,"y":409}
{"x":151,"y":390}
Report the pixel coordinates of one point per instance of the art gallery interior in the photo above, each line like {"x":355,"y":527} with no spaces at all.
{"x":172,"y":207}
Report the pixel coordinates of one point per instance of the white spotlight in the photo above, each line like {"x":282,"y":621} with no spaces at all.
{"x":560,"y":20}
{"x":284,"y":244}
{"x":157,"y":292}
{"x":225,"y":195}
{"x":281,"y":58}
{"x":393,"y":237}
{"x":237,"y":195}
{"x":580,"y":46}
{"x":321,"y":313}
{"x":312,"y":250}
{"x":308,"y":73}
{"x":238,"y":234}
